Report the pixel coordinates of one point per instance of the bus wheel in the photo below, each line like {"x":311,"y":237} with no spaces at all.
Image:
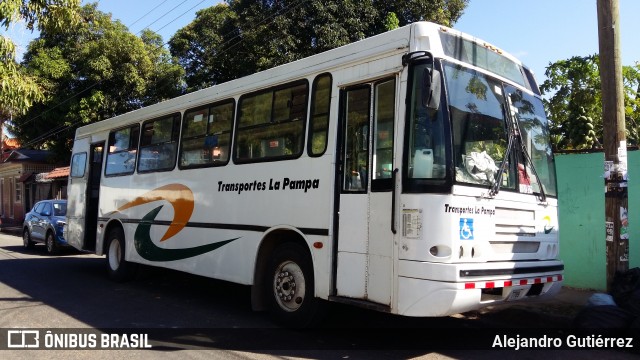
{"x":291,"y":287}
{"x":118,"y":268}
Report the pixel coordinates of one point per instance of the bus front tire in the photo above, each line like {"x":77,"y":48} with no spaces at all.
{"x":118,"y":268}
{"x":290,"y":287}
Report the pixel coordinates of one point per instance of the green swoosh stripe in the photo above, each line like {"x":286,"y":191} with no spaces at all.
{"x":150,"y":251}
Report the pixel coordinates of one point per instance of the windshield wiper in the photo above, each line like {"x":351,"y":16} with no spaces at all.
{"x":514,"y":137}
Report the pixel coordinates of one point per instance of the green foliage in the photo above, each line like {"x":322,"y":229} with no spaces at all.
{"x":206,"y":46}
{"x":574,"y":102}
{"x":18,"y":90}
{"x":391,"y":21}
{"x":631,"y":89}
{"x":445,"y":12}
{"x":242,"y":37}
{"x":94,"y":71}
{"x":575,"y":88}
{"x":52,"y":15}
{"x":85,"y":67}
{"x":7,"y":50}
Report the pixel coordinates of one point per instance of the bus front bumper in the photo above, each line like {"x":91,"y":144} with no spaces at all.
{"x":440,"y":294}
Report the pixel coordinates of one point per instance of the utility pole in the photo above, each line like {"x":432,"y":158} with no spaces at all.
{"x":615,"y":144}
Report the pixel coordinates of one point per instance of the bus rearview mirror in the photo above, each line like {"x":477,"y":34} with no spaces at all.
{"x":431,"y":89}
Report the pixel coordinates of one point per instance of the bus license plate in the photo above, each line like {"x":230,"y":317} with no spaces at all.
{"x":515,"y":294}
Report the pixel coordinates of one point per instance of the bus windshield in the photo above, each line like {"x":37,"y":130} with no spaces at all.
{"x":485,"y":57}
{"x":528,"y":111}
{"x":478,"y":106}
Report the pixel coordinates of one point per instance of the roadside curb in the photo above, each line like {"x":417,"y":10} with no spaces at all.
{"x":11,"y":230}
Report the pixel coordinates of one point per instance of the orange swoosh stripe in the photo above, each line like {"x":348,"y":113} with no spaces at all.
{"x":178,"y":195}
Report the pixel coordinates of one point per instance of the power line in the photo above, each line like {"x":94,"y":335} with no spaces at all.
{"x":179,"y":16}
{"x":167,"y":13}
{"x":62,"y":128}
{"x":45,"y":136}
{"x":149,"y":12}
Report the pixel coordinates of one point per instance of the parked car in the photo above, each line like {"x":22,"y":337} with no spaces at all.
{"x":44,"y":223}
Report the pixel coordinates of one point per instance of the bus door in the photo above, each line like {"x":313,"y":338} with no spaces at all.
{"x":365,"y":180}
{"x":84,"y":194}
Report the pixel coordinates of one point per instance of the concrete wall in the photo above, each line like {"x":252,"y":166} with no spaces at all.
{"x":582,"y":219}
{"x":634,"y":209}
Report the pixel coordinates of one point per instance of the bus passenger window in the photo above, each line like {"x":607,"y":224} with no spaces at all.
{"x":158,"y":144}
{"x":121,"y":153}
{"x":271,"y":124}
{"x":319,"y":118}
{"x":78,"y":164}
{"x":206,"y":136}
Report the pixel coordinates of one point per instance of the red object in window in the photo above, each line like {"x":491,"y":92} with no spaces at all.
{"x":523,"y":176}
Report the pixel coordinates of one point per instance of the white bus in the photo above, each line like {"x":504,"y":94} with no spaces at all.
{"x":410,"y":172}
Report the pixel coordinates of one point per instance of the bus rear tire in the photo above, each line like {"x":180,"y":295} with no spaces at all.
{"x":290,"y":287}
{"x":119,"y":269}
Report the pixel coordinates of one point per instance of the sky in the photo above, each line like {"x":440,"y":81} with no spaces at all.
{"x":538,"y":32}
{"x":165,"y":17}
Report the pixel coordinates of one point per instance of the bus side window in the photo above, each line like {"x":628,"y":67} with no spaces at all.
{"x":319,"y":118}
{"x":426,"y":134}
{"x":356,"y":149}
{"x":78,"y":165}
{"x":271,"y":124}
{"x":384,"y":122}
{"x":158,"y":144}
{"x":206,"y":136}
{"x":121,"y":156}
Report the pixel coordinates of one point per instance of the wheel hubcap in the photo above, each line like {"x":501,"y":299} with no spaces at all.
{"x":289,"y":286}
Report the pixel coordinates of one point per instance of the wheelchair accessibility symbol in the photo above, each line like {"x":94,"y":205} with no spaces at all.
{"x":466,"y":229}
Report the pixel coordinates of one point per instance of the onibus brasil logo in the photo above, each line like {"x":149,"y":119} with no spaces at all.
{"x":180,"y":197}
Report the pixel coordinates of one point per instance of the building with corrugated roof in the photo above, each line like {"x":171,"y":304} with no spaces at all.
{"x":24,"y":180}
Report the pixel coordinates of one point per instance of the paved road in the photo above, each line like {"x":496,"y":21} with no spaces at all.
{"x":187,"y":316}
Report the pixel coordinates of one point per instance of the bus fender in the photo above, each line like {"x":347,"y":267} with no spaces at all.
{"x":271,"y":239}
{"x":103,"y":230}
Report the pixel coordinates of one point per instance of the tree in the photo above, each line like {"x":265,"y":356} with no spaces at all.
{"x":575,"y":84}
{"x":166,"y":77}
{"x":204,"y":46}
{"x":444,"y":12}
{"x":18,"y":90}
{"x":242,"y":37}
{"x":574,"y":102}
{"x":631,"y":88}
{"x":92,"y":72}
